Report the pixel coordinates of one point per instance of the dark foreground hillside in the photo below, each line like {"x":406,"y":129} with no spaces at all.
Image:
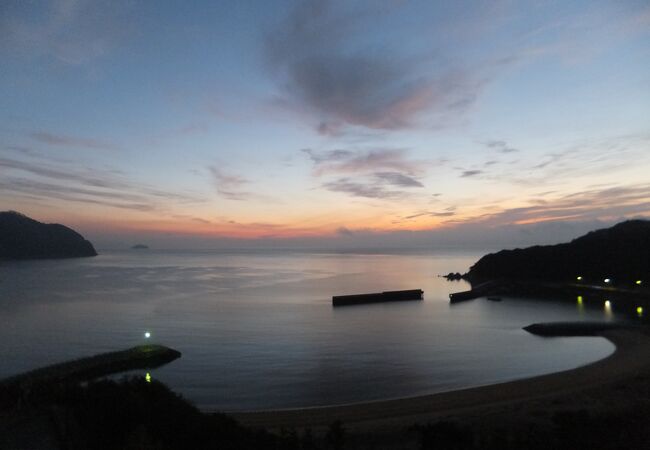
{"x":25,"y":238}
{"x":620,"y":253}
{"x":136,"y":414}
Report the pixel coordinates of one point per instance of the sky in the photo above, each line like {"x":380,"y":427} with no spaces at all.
{"x":325,"y":124}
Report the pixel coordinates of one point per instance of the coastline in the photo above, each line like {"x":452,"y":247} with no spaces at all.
{"x":631,"y":358}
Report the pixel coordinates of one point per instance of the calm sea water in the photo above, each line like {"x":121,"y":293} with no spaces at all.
{"x":257,"y":330}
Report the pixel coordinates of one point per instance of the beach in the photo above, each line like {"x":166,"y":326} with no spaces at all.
{"x":603,"y":386}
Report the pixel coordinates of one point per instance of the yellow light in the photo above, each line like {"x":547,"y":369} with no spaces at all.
{"x":607,"y":280}
{"x":638,"y":281}
{"x":147,"y":335}
{"x":608,"y":309}
{"x":579,"y":278}
{"x":147,"y":377}
{"x":639,"y":310}
{"x":579,"y":299}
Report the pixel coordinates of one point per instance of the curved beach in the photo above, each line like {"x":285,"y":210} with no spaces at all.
{"x":630,"y":360}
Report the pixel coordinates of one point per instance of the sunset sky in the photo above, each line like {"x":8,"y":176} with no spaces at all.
{"x":325,"y":123}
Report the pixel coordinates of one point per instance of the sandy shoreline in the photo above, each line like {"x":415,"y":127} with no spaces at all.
{"x":630,"y":359}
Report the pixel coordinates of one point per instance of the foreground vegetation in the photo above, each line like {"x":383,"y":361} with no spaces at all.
{"x":134,"y":413}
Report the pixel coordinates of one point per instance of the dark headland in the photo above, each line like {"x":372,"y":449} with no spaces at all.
{"x":24,"y":238}
{"x":613,"y":260}
{"x":140,"y":247}
{"x":620,"y":253}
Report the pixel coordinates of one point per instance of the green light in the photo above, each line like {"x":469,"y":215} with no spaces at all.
{"x":147,"y":377}
{"x":579,"y":299}
{"x":579,"y":278}
{"x":147,"y":335}
{"x":638,"y":281}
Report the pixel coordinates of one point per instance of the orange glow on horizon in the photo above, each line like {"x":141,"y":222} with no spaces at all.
{"x":316,"y":227}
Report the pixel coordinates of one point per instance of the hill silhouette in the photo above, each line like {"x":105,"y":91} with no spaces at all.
{"x":24,"y":238}
{"x":621,"y":253}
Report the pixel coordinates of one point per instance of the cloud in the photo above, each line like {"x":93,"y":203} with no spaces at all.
{"x":230,"y":185}
{"x":501,"y":146}
{"x":594,"y":204}
{"x":328,"y":156}
{"x":70,"y":31}
{"x":470,"y":173}
{"x":398,"y":179}
{"x":376,"y":172}
{"x":62,"y":174}
{"x":70,"y":141}
{"x":603,"y":158}
{"x":363,"y":161}
{"x":324,"y":65}
{"x":357,"y":189}
{"x":344,"y":231}
{"x":431,"y":214}
{"x":41,"y":179}
{"x":552,"y":158}
{"x":41,"y":190}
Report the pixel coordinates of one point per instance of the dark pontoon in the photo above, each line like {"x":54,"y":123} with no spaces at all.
{"x":378,"y":297}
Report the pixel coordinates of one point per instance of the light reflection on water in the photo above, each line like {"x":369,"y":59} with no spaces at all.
{"x":257,"y":330}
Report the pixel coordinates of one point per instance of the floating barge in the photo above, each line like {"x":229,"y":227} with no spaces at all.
{"x":481,"y":290}
{"x":378,"y":297}
{"x":551,"y":329}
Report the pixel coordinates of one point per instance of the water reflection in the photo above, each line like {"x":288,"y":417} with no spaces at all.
{"x":608,"y":310}
{"x":259,"y":331}
{"x":581,"y":306}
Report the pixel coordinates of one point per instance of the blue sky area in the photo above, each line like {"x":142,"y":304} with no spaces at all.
{"x":343,"y":123}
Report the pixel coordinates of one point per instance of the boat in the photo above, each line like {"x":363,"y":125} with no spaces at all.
{"x":377,"y":297}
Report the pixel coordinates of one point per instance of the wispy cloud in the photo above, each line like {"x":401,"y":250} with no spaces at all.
{"x":70,"y":31}
{"x":501,"y":146}
{"x":53,"y":191}
{"x":46,"y":179}
{"x":398,"y":179}
{"x":230,"y":185}
{"x":603,"y":158}
{"x":344,"y":231}
{"x":366,"y":190}
{"x":378,"y":173}
{"x":70,"y":141}
{"x":431,"y":214}
{"x":594,"y":204}
{"x":394,"y":160}
{"x":470,"y":173}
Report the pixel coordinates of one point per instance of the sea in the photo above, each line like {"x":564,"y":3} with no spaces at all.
{"x":257,"y":329}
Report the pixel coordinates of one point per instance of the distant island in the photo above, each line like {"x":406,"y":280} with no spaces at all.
{"x":24,"y":238}
{"x":620,"y":254}
{"x":140,"y":247}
